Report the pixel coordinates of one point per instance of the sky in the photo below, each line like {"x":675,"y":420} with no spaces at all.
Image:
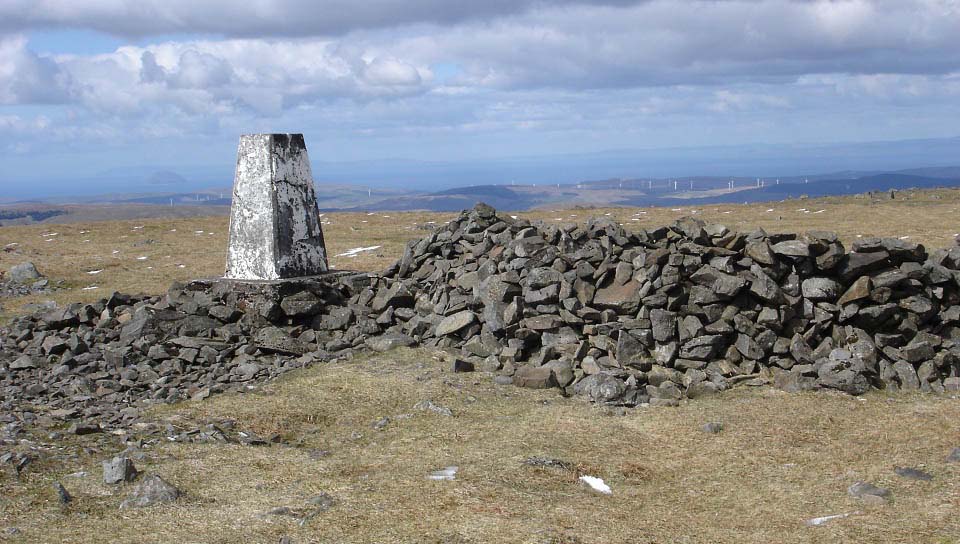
{"x":88,"y":86}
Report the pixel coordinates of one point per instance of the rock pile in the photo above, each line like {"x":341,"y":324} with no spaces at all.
{"x":619,"y":317}
{"x":677,"y":311}
{"x":23,"y":279}
{"x":104,"y":362}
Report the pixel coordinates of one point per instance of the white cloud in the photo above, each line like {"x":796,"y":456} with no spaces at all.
{"x":656,"y":71}
{"x":26,"y":77}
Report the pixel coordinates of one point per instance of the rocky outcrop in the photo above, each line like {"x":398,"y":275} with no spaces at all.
{"x":618,"y":317}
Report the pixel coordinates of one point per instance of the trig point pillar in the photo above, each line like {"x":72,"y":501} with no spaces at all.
{"x":274,"y":223}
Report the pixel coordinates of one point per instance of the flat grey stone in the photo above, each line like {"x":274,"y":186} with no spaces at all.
{"x":912,"y":473}
{"x":455,"y":322}
{"x":712,"y":427}
{"x":390,"y":341}
{"x":865,"y":490}
{"x":151,"y":490}
{"x":430,"y":406}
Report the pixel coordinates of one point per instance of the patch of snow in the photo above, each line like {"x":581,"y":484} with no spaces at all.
{"x":91,"y":288}
{"x":353,"y":252}
{"x":95,"y":272}
{"x":816,"y":522}
{"x":596,"y":484}
{"x":449,"y":473}
{"x":142,"y":258}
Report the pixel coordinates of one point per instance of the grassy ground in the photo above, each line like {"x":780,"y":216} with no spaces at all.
{"x":780,"y":460}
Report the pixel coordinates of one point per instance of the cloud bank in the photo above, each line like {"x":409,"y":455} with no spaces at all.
{"x":485,"y":74}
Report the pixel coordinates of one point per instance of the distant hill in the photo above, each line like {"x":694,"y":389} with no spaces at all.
{"x":698,"y":190}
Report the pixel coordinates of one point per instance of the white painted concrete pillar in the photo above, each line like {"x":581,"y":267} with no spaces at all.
{"x":275,"y":230}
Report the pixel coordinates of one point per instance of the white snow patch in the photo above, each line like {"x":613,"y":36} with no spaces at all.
{"x":815,"y":522}
{"x":91,"y":288}
{"x":353,"y":252}
{"x":596,"y":484}
{"x":95,"y":272}
{"x":142,"y":258}
{"x":449,"y":473}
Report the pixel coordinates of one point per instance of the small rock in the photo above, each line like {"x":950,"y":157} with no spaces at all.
{"x":279,"y":511}
{"x":712,"y":427}
{"x":429,"y":406}
{"x":868,"y":491}
{"x":460,"y":365}
{"x":912,"y":473}
{"x":150,"y":491}
{"x":62,"y":495}
{"x":535,"y":377}
{"x":81,"y":429}
{"x":954,"y":456}
{"x":24,"y":362}
{"x":119,"y":469}
{"x":381,"y":423}
{"x":323,"y":502}
{"x":503,"y":380}
{"x":546,"y":462}
{"x":24,"y":273}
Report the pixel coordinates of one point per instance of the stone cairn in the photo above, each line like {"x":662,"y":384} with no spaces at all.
{"x":618,"y":317}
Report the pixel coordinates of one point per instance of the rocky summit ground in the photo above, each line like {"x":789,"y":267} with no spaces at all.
{"x":403,"y":446}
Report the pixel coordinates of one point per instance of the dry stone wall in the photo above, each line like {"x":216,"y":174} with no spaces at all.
{"x":619,"y":317}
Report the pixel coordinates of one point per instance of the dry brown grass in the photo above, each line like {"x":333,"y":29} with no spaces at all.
{"x":780,"y":460}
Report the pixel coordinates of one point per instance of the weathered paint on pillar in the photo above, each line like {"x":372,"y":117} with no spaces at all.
{"x":275,"y":230}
